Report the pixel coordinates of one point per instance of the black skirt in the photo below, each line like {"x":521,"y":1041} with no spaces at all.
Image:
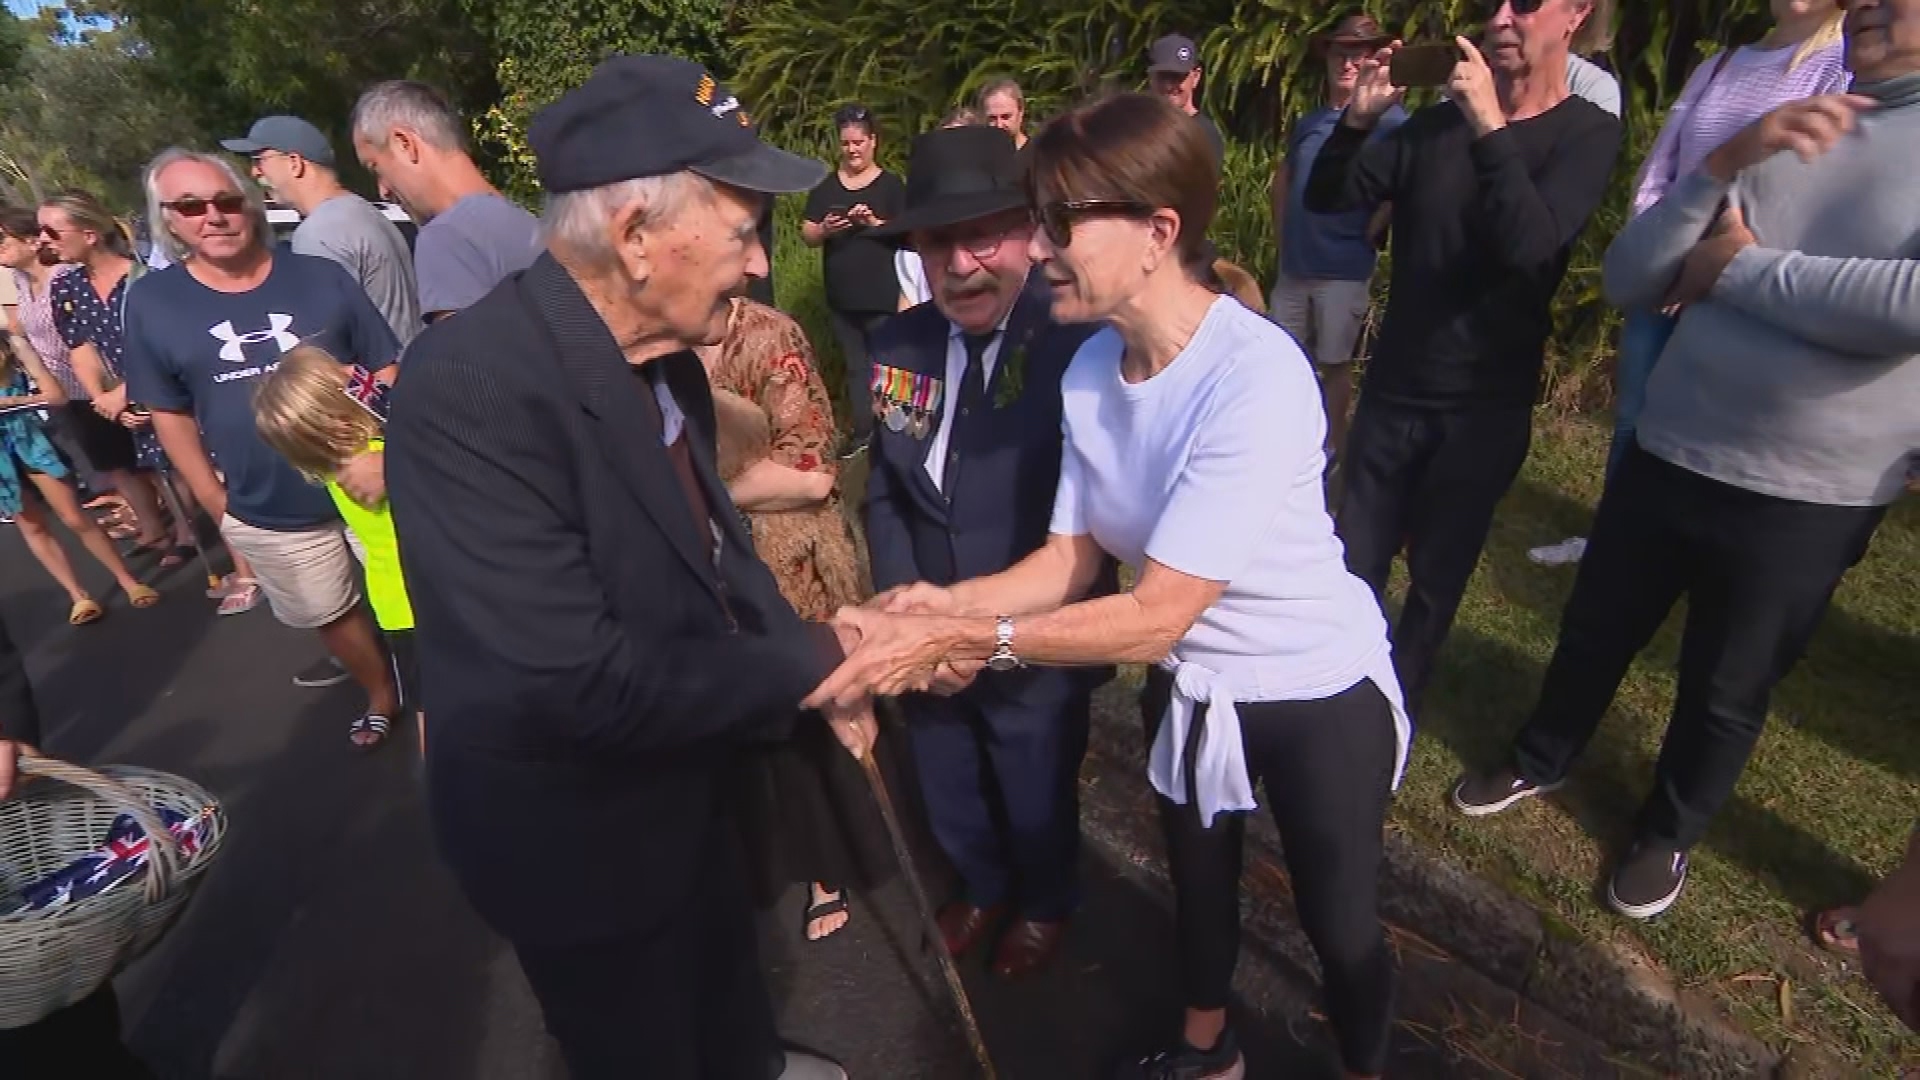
{"x":806,"y":813}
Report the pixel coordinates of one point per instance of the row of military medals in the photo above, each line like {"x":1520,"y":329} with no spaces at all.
{"x":907,"y":402}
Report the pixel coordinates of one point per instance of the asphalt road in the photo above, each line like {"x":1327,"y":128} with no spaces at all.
{"x":330,"y":942}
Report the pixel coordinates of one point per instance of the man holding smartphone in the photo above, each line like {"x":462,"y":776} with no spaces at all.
{"x":1490,"y":189}
{"x":1322,"y":292}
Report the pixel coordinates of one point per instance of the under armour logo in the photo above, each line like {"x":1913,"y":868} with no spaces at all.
{"x":234,"y":349}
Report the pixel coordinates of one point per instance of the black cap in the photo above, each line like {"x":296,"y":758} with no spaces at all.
{"x":654,"y":115}
{"x":1173,"y":54}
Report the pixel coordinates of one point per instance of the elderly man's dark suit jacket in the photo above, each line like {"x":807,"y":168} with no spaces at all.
{"x":589,"y":667}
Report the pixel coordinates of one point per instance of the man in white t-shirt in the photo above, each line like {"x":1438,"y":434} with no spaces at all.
{"x":965,"y":457}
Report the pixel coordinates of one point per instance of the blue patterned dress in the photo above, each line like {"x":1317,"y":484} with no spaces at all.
{"x":27,"y":446}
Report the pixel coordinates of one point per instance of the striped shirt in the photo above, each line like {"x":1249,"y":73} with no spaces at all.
{"x":36,"y":318}
{"x":1720,"y":99}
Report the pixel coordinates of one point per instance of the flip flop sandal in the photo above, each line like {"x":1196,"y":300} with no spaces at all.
{"x":85,"y":610}
{"x":242,"y":598}
{"x":815,"y":912}
{"x":371,"y":724}
{"x":143,"y":596}
{"x":177,"y":555}
{"x":1834,"y":929}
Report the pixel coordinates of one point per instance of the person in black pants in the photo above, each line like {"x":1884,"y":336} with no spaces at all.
{"x":862,"y":289}
{"x":1489,"y":191}
{"x":81,"y":1039}
{"x":1194,"y":436}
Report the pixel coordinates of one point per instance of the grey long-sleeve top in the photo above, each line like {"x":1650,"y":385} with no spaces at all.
{"x":1798,"y":377}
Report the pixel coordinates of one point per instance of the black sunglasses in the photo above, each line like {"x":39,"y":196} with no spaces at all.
{"x":1520,"y":7}
{"x":195,"y":206}
{"x":1057,"y":218}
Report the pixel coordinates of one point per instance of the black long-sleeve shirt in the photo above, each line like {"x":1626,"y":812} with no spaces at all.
{"x":1482,"y":232}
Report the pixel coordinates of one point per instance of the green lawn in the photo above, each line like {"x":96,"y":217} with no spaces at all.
{"x":1824,"y":806}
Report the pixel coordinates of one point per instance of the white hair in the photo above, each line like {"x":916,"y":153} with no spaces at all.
{"x":415,"y":106}
{"x":576,"y":221}
{"x":176,"y":249}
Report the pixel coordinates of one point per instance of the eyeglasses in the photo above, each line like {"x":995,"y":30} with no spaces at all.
{"x":1057,"y":219}
{"x":49,"y":232}
{"x":1520,"y":7}
{"x":977,"y":243}
{"x":195,"y":206}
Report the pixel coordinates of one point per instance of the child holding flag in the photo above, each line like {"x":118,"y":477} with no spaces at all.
{"x":319,"y":414}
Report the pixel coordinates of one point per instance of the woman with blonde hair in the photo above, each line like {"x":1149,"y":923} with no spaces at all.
{"x":319,"y":414}
{"x":1802,"y":56}
{"x":27,"y":455}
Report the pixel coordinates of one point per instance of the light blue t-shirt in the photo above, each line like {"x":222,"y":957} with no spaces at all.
{"x":1325,"y":247}
{"x":469,"y":248}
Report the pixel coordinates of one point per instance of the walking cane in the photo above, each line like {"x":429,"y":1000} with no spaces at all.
{"x":930,"y":923}
{"x":179,"y":514}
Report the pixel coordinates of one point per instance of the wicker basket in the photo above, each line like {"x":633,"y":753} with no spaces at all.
{"x":52,"y":959}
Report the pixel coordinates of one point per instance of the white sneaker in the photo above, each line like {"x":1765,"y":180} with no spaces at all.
{"x":1566,"y":551}
{"x":809,"y":1067}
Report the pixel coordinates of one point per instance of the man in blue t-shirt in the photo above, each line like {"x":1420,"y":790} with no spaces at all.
{"x":1326,"y":260}
{"x":200,"y":335}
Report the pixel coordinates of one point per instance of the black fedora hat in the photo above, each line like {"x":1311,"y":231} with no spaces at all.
{"x":958,"y":174}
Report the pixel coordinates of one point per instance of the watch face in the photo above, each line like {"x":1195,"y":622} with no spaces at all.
{"x":1002,"y":663}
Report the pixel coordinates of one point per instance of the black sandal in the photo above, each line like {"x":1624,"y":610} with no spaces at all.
{"x":815,"y":912}
{"x":372,"y":723}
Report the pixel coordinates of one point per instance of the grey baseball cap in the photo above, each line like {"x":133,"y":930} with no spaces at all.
{"x":1172,"y":54}
{"x":288,"y":135}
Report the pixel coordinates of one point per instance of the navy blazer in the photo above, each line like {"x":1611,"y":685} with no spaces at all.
{"x":591,"y":669}
{"x":999,"y":510}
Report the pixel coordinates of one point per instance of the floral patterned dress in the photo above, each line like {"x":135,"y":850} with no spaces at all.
{"x":767,"y":361}
{"x":803,"y":807}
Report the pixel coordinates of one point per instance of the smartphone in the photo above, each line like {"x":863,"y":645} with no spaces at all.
{"x":1423,"y":65}
{"x":838,"y":211}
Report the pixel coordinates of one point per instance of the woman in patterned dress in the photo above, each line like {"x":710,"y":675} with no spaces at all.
{"x":26,"y":454}
{"x":806,"y":813}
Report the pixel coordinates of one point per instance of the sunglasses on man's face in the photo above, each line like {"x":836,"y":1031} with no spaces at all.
{"x":1058,"y":218}
{"x":1520,"y":7}
{"x":195,"y":206}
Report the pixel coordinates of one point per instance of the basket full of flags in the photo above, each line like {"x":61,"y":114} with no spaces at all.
{"x":94,"y":867}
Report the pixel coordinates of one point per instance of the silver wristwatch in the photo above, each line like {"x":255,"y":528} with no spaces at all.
{"x":1003,"y":658}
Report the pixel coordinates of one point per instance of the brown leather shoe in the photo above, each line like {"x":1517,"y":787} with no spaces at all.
{"x":1026,"y":947}
{"x":962,"y":925}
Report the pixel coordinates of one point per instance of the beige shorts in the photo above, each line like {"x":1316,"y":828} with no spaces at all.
{"x":309,"y":576}
{"x":1325,"y":317}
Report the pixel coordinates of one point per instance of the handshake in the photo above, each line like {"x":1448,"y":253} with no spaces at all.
{"x":907,"y":640}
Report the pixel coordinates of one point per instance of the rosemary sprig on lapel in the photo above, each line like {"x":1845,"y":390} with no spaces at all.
{"x":1014,"y":379}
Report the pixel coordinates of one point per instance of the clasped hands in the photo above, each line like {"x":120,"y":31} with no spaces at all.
{"x":906,"y":640}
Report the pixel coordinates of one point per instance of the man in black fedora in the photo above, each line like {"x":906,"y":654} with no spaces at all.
{"x":966,"y":392}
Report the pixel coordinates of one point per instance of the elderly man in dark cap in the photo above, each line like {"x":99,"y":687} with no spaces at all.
{"x":600,"y":639}
{"x":967,"y":455}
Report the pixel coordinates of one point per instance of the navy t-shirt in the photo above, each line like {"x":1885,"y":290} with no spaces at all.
{"x":192,"y":349}
{"x":1327,"y":247}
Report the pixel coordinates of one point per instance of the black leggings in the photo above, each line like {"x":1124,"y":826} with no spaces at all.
{"x":1327,"y":766}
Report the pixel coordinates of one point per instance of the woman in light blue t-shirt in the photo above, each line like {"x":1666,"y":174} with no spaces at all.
{"x":1192,"y":452}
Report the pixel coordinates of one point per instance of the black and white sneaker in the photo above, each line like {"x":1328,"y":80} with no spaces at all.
{"x":323,"y":672}
{"x":1647,"y":881}
{"x":1183,"y":1062}
{"x":1480,"y":794}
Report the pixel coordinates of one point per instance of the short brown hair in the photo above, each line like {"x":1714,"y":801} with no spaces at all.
{"x":19,"y":222}
{"x":1133,"y":148}
{"x":1003,"y":86}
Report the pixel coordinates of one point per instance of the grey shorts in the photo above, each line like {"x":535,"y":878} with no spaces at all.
{"x":309,"y":575}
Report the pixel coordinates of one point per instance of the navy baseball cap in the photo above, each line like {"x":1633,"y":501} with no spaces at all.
{"x":288,"y":135}
{"x":1172,"y":54}
{"x":641,"y":116}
